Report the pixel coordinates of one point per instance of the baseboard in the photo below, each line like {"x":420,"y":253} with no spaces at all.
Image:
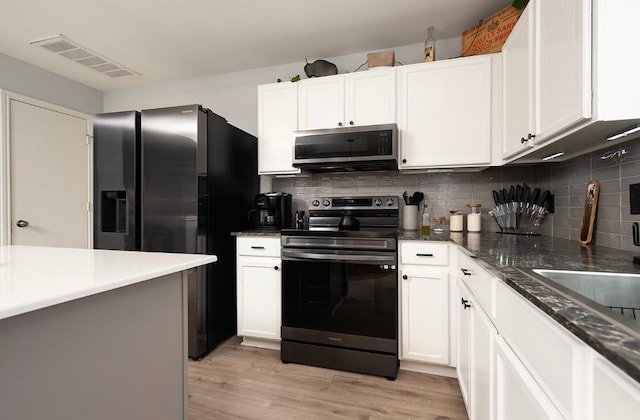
{"x":262,"y":343}
{"x":438,"y":370}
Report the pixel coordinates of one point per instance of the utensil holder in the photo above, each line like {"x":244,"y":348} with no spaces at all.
{"x":410,"y":217}
{"x":519,"y":218}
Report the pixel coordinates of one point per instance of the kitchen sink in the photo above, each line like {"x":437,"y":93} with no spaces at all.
{"x":618,"y":292}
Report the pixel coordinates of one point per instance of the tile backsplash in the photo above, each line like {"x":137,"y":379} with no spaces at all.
{"x":453,"y":191}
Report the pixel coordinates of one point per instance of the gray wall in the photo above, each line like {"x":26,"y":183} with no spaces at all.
{"x":26,"y":79}
{"x":234,"y":95}
{"x":449,"y":191}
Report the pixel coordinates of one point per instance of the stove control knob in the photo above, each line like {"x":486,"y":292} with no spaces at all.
{"x":326,"y":203}
{"x":377,"y":202}
{"x":390,"y":202}
{"x":315,"y":203}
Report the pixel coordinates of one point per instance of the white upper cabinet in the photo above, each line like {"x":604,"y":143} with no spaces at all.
{"x":370,"y":97}
{"x":277,"y":120}
{"x":581,"y":85}
{"x":563,"y":65}
{"x":445,"y":113}
{"x":518,"y":82}
{"x":355,"y":99}
{"x":547,"y":73}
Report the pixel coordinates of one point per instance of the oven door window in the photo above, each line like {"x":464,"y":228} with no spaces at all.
{"x":349,"y":298}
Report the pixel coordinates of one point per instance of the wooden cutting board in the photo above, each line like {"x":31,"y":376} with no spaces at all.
{"x":589,"y":212}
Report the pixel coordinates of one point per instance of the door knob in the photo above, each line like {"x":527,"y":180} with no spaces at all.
{"x":22,"y":223}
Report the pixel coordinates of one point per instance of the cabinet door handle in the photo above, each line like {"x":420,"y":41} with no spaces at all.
{"x":350,"y":122}
{"x":523,"y":140}
{"x":465,"y":303}
{"x":531,"y":136}
{"x":465,"y":272}
{"x":340,"y":124}
{"x":257,"y":247}
{"x":424,"y":255}
{"x":404,"y":277}
{"x":276,"y":268}
{"x":404,"y":160}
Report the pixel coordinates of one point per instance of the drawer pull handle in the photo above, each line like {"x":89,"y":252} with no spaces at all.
{"x":404,"y":277}
{"x":465,"y":272}
{"x":465,"y":303}
{"x":257,"y":247}
{"x":424,"y":255}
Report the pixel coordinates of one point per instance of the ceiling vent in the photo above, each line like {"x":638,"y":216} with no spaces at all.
{"x":67,"y":48}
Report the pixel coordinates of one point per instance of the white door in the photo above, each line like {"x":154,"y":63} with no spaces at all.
{"x":259,"y":297}
{"x":425,"y":315}
{"x":49,"y":176}
{"x":321,"y":102}
{"x":370,"y":97}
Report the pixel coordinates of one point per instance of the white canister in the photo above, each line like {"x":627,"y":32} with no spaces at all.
{"x":455,"y":221}
{"x":410,"y":217}
{"x":473,"y":218}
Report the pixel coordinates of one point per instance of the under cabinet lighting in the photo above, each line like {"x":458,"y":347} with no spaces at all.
{"x":553,"y":156}
{"x":624,"y":133}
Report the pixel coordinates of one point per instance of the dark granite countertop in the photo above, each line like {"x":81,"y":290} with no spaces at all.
{"x":512,"y":258}
{"x":274,"y":233}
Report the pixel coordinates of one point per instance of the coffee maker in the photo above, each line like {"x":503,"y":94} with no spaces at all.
{"x":273,"y":211}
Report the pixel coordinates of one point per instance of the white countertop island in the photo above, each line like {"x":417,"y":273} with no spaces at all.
{"x":93,"y":333}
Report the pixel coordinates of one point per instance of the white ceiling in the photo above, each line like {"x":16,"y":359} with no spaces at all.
{"x":179,"y":39}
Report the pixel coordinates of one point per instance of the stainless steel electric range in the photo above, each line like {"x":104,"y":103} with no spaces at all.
{"x":340,"y":286}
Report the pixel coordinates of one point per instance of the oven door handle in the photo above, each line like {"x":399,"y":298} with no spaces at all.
{"x":352,"y":258}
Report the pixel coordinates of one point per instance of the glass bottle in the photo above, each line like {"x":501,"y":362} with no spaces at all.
{"x":426,"y":220}
{"x":429,"y":46}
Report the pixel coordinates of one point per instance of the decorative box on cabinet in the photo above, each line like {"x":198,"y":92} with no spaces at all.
{"x":425,"y":294}
{"x":354,"y":99}
{"x":277,"y":120}
{"x":448,"y":112}
{"x":259,"y":291}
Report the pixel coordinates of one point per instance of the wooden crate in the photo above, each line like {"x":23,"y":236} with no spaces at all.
{"x":489,"y":35}
{"x":384,"y":58}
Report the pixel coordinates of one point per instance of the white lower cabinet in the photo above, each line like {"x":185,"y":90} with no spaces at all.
{"x":614,"y":394}
{"x":476,"y":335}
{"x":517,"y":394}
{"x":259,"y":289}
{"x":425,"y":293}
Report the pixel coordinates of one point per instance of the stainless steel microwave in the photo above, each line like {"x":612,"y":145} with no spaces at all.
{"x":347,"y":149}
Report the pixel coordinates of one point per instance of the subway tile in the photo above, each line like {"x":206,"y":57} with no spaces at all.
{"x":610,"y":213}
{"x":610,"y":186}
{"x":609,"y":240}
{"x":604,"y":174}
{"x":609,"y":200}
{"x":608,"y":226}
{"x":630,"y":169}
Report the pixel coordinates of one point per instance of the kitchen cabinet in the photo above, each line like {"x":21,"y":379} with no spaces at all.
{"x":517,"y":394}
{"x":539,"y":100}
{"x":259,"y":290}
{"x":445,"y":113}
{"x":277,"y":120}
{"x":614,"y":395}
{"x":362,"y":98}
{"x":475,"y":337}
{"x":553,"y":356}
{"x":425,"y":293}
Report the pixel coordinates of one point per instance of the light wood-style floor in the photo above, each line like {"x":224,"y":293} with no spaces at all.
{"x":238,"y":382}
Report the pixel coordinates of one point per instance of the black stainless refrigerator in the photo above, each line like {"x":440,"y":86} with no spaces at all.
{"x":196,"y":184}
